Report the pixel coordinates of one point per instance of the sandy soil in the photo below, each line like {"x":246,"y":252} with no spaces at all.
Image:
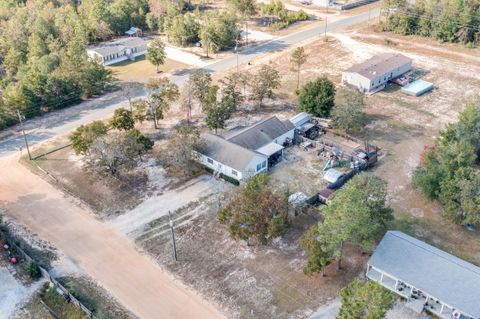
{"x":13,"y":293}
{"x":154,"y":207}
{"x":251,"y":282}
{"x":108,"y":257}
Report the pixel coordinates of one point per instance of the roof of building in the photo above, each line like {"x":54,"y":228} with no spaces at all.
{"x":270,"y":149}
{"x":117,"y":46}
{"x":326,"y":193}
{"x":227,"y":153}
{"x":433,"y":271}
{"x":379,"y":65}
{"x":133,"y":30}
{"x":332,"y":175}
{"x":261,"y":133}
{"x":300,"y":119}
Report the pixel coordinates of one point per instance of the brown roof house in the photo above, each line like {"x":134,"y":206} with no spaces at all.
{"x":373,"y":74}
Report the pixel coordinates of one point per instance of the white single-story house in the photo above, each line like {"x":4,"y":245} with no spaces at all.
{"x":373,"y":74}
{"x":247,"y":151}
{"x":230,"y":159}
{"x":109,"y":53}
{"x":427,"y":277}
{"x":266,"y":137}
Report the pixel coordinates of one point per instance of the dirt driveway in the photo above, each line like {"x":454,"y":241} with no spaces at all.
{"x":107,"y":256}
{"x":133,"y":222}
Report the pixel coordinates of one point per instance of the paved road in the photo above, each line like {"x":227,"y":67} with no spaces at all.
{"x":68,"y":119}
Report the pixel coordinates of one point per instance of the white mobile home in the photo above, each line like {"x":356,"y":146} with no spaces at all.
{"x":266,"y":137}
{"x":373,"y":74}
{"x":427,"y":277}
{"x":230,"y":159}
{"x":117,"y":51}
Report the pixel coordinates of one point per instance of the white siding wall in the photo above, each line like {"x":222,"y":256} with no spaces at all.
{"x":94,"y":55}
{"x":251,"y":170}
{"x":366,"y":85}
{"x":217,"y":166}
{"x":355,"y":79}
{"x":123,"y":58}
{"x":281,"y":139}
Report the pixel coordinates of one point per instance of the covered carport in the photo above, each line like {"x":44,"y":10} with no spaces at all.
{"x":274,"y":152}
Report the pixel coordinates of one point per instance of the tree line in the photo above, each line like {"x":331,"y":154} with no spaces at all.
{"x":448,"y":170}
{"x":43,"y":60}
{"x":444,"y":20}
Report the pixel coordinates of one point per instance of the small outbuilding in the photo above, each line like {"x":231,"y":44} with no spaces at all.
{"x":373,"y":74}
{"x":332,"y":175}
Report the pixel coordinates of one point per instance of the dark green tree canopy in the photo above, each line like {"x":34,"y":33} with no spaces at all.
{"x":448,"y":171}
{"x":84,"y":136}
{"x":255,"y":213}
{"x":317,"y":97}
{"x":122,"y":120}
{"x":364,"y":300}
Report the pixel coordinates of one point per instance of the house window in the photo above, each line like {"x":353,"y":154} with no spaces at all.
{"x":234,"y":172}
{"x":264,"y":164}
{"x":259,"y":167}
{"x":209,"y":160}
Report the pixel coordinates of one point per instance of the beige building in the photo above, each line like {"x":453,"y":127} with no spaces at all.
{"x":373,"y":74}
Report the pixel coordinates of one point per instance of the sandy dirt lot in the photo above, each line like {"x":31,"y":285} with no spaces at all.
{"x":13,"y":293}
{"x":250,"y":282}
{"x":134,"y":221}
{"x":110,"y":258}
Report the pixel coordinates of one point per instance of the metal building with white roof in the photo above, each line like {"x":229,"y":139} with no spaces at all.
{"x":427,"y":277}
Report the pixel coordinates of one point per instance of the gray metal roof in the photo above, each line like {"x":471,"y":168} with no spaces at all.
{"x":261,"y":133}
{"x":118,"y":46}
{"x":300,"y":119}
{"x":380,"y":65}
{"x":433,"y":271}
{"x":227,"y":152}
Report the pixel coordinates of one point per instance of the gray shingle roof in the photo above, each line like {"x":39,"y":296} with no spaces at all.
{"x":118,"y":46}
{"x":227,"y":152}
{"x":379,"y":65}
{"x":435,"y":272}
{"x":261,"y":133}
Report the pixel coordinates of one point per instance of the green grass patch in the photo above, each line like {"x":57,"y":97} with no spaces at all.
{"x":59,"y":305}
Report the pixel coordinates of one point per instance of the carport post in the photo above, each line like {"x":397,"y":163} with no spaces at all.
{"x":170,"y":222}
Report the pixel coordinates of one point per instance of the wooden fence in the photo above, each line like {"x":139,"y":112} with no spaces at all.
{"x":46,"y":274}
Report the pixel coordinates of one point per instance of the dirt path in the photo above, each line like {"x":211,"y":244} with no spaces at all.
{"x":107,"y":256}
{"x":133,"y":222}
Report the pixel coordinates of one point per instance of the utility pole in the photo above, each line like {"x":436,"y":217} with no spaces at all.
{"x":170,"y":222}
{"x":20,"y":118}
{"x":325,"y":27}
{"x":236,"y":51}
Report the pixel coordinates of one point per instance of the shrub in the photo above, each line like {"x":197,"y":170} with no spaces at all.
{"x":33,"y":270}
{"x":229,"y":179}
{"x":317,"y":97}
